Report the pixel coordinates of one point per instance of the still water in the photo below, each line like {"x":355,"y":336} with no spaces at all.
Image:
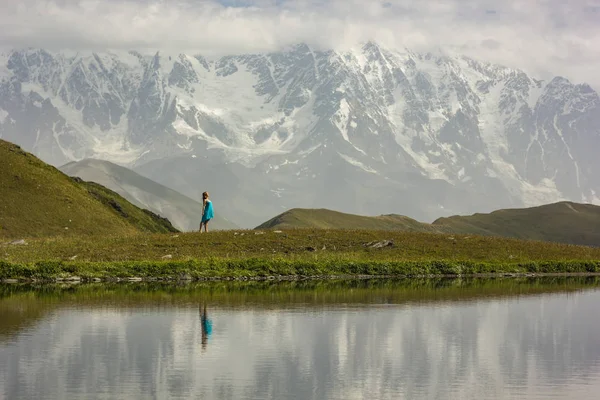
{"x":443,"y":339}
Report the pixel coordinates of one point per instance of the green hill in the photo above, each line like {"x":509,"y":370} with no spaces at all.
{"x":183,"y":212}
{"x":37,"y":200}
{"x":328,"y":219}
{"x":563,"y":222}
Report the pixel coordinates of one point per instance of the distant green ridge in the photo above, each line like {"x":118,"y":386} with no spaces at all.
{"x":328,"y":219}
{"x":37,"y":200}
{"x":563,"y":222}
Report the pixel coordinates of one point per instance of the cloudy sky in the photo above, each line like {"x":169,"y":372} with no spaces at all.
{"x":544,"y":37}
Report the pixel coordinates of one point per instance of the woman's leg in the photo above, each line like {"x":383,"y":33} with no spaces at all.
{"x":206,"y":226}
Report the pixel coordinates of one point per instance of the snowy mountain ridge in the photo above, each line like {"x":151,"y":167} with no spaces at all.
{"x":483,"y":129}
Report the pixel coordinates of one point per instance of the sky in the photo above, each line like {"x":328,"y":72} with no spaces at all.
{"x":543,"y":37}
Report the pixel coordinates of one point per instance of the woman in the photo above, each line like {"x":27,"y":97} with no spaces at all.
{"x":207,"y":212}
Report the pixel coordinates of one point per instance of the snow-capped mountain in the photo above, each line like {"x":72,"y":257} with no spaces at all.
{"x":369,"y":130}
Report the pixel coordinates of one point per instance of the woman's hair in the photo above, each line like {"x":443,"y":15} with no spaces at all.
{"x":205,"y":195}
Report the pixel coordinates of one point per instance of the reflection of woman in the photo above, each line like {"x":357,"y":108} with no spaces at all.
{"x":206,"y":326}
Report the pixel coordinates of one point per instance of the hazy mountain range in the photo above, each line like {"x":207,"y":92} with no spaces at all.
{"x":369,"y":131}
{"x":184,"y":213}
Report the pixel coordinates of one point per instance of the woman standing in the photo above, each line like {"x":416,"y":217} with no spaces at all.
{"x":207,"y":212}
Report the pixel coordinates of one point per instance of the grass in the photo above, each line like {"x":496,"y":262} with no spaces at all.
{"x":301,"y":252}
{"x":37,"y":200}
{"x":143,"y":219}
{"x":261,"y":268}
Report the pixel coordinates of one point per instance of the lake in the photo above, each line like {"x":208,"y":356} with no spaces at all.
{"x":526,"y":338}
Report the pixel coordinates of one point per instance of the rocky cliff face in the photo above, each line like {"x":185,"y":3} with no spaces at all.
{"x":368,"y":130}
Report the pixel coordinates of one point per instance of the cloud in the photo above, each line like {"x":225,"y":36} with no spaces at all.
{"x":544,"y":37}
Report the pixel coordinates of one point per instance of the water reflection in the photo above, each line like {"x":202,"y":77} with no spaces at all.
{"x":119,"y":344}
{"x":206,"y":326}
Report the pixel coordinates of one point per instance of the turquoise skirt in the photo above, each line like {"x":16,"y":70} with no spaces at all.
{"x":208,"y":212}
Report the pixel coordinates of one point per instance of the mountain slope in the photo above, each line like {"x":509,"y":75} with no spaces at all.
{"x":368,"y":130}
{"x":183,"y":212}
{"x":564,"y":222}
{"x":328,"y":219}
{"x":38,"y":200}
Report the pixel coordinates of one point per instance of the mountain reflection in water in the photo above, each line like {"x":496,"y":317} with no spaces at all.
{"x":525,"y":338}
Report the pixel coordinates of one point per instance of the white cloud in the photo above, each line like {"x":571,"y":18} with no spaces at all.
{"x":542,"y":36}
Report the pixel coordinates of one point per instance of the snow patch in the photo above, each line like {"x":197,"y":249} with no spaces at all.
{"x":544,"y":193}
{"x":307,"y":152}
{"x":244,"y":155}
{"x":284,"y":163}
{"x":288,"y":162}
{"x":341,"y":119}
{"x":431,"y":170}
{"x":357,"y":163}
{"x":491,"y":125}
{"x":186,"y":104}
{"x":559,"y":132}
{"x":277,"y":192}
{"x":186,"y":146}
{"x":105,"y":145}
{"x":363,"y":152}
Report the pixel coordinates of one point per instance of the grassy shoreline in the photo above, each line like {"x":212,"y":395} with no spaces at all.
{"x":293,"y":254}
{"x":269,"y":269}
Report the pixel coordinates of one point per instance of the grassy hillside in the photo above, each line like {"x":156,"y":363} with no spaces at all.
{"x":328,"y":219}
{"x":563,"y":222}
{"x":183,"y":212}
{"x":38,"y":200}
